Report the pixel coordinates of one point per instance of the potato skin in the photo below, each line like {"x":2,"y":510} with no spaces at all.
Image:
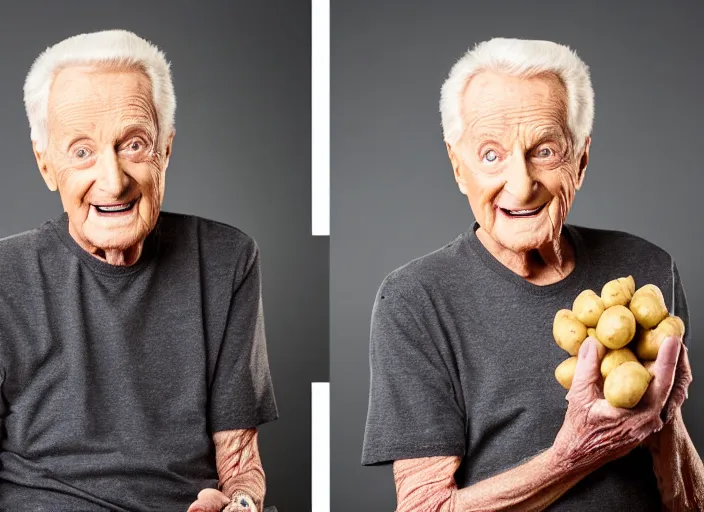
{"x":626,"y":384}
{"x":564,"y":373}
{"x":588,"y":307}
{"x":648,"y":306}
{"x":614,"y":358}
{"x":616,"y":327}
{"x":618,"y":292}
{"x":649,"y":340}
{"x":569,"y":333}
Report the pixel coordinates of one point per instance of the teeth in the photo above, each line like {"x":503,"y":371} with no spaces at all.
{"x":522,"y":212}
{"x":116,"y":208}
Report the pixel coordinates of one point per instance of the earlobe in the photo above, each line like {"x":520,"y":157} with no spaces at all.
{"x":46,"y":173}
{"x":456,"y":168}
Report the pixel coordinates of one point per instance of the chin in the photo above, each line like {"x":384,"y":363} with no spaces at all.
{"x":120,"y":241}
{"x":521,"y":242}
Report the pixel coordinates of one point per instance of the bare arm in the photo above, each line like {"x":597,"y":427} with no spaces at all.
{"x":240,"y":469}
{"x":241,"y":477}
{"x":593,"y":434}
{"x":428,"y":484}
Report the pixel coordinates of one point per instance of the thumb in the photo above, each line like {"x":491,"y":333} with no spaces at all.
{"x":587,"y":374}
{"x":209,"y":500}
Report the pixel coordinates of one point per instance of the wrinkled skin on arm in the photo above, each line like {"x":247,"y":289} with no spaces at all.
{"x":240,"y":474}
{"x":593,"y":434}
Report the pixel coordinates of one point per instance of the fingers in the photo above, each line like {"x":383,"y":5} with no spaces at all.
{"x":663,"y":372}
{"x":209,"y":500}
{"x":585,"y":383}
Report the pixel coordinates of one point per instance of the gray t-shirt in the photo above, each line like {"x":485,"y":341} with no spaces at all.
{"x":463,"y":359}
{"x":114,"y":379}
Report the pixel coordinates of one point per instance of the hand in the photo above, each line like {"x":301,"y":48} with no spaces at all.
{"x":210,"y":500}
{"x":595,"y":432}
{"x":683,"y":378}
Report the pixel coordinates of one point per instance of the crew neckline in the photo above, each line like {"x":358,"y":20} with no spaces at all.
{"x":581,"y":266}
{"x":149,"y":250}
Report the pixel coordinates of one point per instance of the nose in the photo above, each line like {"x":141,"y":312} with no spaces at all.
{"x":112,"y":179}
{"x":519,"y":182}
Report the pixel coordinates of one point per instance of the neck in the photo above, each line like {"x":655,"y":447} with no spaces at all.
{"x":117,"y":257}
{"x":544,"y":265}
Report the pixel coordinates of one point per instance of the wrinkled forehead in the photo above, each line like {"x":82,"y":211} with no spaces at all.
{"x":497,"y":103}
{"x":87,"y":93}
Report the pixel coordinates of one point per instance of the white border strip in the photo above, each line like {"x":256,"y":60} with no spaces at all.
{"x":320,"y":446}
{"x":320,"y":117}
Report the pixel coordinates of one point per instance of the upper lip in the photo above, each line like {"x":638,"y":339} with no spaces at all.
{"x":522,"y":208}
{"x":121,"y":203}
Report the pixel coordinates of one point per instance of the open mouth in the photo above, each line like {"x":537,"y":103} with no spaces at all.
{"x":523,"y":213}
{"x":114,"y":208}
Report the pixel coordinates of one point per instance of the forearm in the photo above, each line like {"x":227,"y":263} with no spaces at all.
{"x":428,"y":485}
{"x":239,"y":466}
{"x":678,"y":467}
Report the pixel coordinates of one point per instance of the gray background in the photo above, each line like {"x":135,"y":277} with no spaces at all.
{"x":394,"y":197}
{"x":241,"y":156}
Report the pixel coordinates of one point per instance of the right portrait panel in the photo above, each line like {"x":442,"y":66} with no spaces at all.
{"x":515,"y":293}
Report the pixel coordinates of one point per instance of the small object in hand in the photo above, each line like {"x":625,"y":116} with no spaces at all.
{"x":569,"y":333}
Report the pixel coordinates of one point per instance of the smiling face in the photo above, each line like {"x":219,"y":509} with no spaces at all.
{"x":515,"y":161}
{"x":103,"y":156}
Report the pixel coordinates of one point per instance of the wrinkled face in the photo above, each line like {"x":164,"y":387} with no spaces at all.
{"x":103,"y":156}
{"x":515,"y":161}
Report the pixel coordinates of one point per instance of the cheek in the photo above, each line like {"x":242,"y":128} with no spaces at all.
{"x":73,"y":185}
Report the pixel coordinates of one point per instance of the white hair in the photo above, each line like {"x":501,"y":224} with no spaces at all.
{"x":113,"y":48}
{"x":523,"y":58}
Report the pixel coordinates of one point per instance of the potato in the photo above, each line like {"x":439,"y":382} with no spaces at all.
{"x":591,"y":332}
{"x":564,"y":373}
{"x":569,"y":333}
{"x":616,"y":327}
{"x":588,"y":307}
{"x":618,"y":292}
{"x":614,"y":358}
{"x":648,"y":306}
{"x":649,"y":340}
{"x":626,"y":384}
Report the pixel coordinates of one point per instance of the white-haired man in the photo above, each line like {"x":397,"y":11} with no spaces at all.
{"x":463,"y":398}
{"x":133,"y":364}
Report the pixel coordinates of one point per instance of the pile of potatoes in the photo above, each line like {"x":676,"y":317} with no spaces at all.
{"x":630,"y":323}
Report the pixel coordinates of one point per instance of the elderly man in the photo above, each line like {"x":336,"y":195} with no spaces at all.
{"x":463,"y":397}
{"x":133,"y":364}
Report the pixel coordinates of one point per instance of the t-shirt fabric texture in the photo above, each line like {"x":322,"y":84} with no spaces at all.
{"x":463,"y":358}
{"x":114,"y":379}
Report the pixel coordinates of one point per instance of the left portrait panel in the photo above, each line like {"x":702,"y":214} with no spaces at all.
{"x":163,"y":304}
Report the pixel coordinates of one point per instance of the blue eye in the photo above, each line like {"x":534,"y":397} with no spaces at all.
{"x":545,"y":153}
{"x":490,"y":156}
{"x":82,"y":153}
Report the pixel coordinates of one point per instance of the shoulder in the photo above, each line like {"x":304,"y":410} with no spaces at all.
{"x":214,"y":238}
{"x":425,"y":272}
{"x":614,"y":242}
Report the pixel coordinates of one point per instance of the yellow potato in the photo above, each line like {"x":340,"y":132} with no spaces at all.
{"x":626,"y":384}
{"x":648,"y":306}
{"x":591,"y":332}
{"x":649,"y":340}
{"x":614,"y":358}
{"x":588,"y":307}
{"x":616,"y":327}
{"x":564,"y":373}
{"x":569,"y":333}
{"x":618,"y":292}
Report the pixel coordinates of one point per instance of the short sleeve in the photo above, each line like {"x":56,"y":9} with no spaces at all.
{"x":413,"y":410}
{"x":241,"y":393}
{"x":679,"y":303}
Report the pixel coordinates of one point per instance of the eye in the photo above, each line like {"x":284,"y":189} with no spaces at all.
{"x":81,"y":153}
{"x":545,"y":152}
{"x":135,"y":145}
{"x":490,"y":156}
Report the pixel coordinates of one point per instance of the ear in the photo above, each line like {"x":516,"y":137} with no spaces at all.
{"x":456,"y":163}
{"x":583,"y":162}
{"x":48,"y":174}
{"x":167,"y":149}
